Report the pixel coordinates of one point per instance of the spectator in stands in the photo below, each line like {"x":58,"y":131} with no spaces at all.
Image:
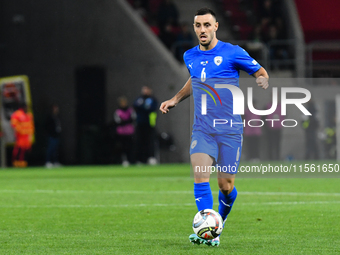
{"x":272,"y":28}
{"x":255,"y":46}
{"x":270,"y":9}
{"x":278,"y":22}
{"x":167,"y":36}
{"x":184,"y":42}
{"x":141,"y":6}
{"x":167,"y":13}
{"x":23,"y":125}
{"x":124,"y":117}
{"x":276,"y":51}
{"x":256,"y":35}
{"x":166,"y":27}
{"x":154,"y":7}
{"x":146,"y":106}
{"x":265,"y":24}
{"x":154,"y":27}
{"x":266,"y":9}
{"x":53,"y":128}
{"x":272,"y":34}
{"x":269,"y":12}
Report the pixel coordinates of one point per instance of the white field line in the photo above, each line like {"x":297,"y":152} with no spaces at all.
{"x":249,"y":193}
{"x":166,"y":205}
{"x":287,"y":193}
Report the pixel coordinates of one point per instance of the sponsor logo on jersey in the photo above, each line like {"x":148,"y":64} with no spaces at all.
{"x":204,"y":63}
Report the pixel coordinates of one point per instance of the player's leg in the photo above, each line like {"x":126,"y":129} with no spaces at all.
{"x":15,"y":153}
{"x":129,"y":149}
{"x":228,"y":161}
{"x":227,"y":194}
{"x":202,"y":191}
{"x":203,"y":151}
{"x":203,"y":196}
{"x":22,"y":160}
{"x":49,"y":152}
{"x":22,"y":154}
{"x":54,"y":150}
{"x":24,"y":146}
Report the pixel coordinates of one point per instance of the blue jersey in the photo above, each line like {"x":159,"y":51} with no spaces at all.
{"x":213,"y":105}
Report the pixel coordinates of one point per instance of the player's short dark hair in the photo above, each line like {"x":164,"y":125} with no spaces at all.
{"x":204,"y":11}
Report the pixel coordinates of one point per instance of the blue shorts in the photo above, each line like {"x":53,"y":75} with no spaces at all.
{"x":225,"y":149}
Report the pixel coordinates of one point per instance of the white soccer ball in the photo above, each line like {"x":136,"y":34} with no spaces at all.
{"x":207,"y":224}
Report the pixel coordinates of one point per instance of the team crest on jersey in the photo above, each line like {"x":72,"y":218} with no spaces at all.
{"x":193,"y":144}
{"x":218,"y":60}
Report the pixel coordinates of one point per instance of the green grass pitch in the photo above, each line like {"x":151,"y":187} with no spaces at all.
{"x":149,"y":210}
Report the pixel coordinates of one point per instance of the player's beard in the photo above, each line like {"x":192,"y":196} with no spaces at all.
{"x":206,"y":44}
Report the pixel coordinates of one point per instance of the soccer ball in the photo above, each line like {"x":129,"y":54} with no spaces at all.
{"x":207,"y":224}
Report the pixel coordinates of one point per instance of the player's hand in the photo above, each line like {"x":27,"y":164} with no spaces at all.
{"x":167,"y":105}
{"x":262,"y":82}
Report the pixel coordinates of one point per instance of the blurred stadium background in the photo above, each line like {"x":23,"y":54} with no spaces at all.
{"x":83,"y":55}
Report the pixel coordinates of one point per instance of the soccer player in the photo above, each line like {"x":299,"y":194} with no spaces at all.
{"x":211,"y":64}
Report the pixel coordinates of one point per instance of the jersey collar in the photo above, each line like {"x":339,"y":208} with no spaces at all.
{"x":217,"y":46}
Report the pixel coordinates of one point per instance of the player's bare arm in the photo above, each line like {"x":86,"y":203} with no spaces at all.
{"x":180,"y":96}
{"x":262,"y":78}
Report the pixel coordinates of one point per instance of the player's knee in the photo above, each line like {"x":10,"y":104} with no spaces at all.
{"x":226,"y":186}
{"x":225,"y":190}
